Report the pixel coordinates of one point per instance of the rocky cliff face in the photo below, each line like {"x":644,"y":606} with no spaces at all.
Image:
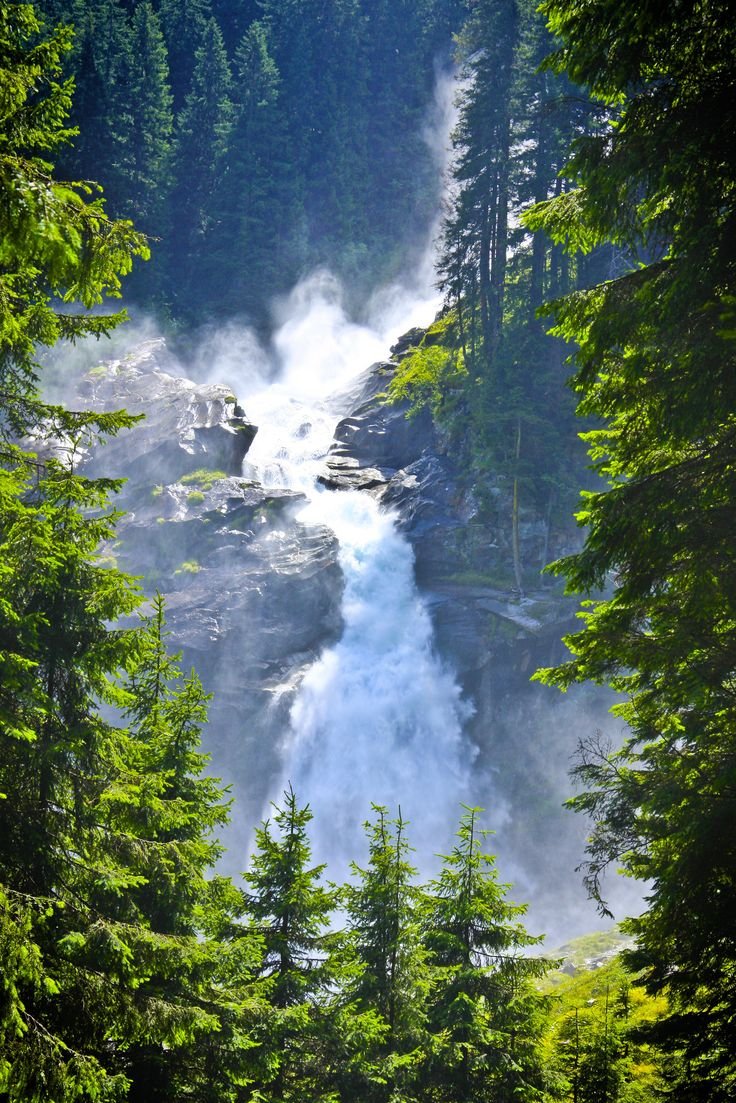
{"x":253,"y":594}
{"x":461,"y":536}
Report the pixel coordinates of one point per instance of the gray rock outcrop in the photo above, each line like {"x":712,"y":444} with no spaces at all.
{"x":188,"y":425}
{"x":252,"y":594}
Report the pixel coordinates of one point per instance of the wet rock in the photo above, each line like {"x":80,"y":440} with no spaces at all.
{"x":187,"y":425}
{"x":252,"y":594}
{"x":407,"y":342}
{"x":462,"y":540}
{"x":376,"y":439}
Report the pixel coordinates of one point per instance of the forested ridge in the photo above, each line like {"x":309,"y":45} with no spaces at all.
{"x":257,"y":141}
{"x":593,"y":190}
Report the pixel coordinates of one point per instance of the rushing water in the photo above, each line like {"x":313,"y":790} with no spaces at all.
{"x":378,"y":718}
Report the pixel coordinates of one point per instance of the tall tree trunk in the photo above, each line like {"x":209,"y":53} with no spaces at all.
{"x":515,"y":515}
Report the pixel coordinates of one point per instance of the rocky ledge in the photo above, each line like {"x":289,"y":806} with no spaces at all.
{"x":188,"y":425}
{"x":252,"y":594}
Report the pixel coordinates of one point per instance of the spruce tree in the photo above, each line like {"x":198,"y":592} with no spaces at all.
{"x":257,"y":202}
{"x":57,"y":244}
{"x":183,"y":24}
{"x":140,"y":173}
{"x":484,"y":1010}
{"x":57,"y":656}
{"x":290,"y":909}
{"x":198,"y":167}
{"x":392,"y":978}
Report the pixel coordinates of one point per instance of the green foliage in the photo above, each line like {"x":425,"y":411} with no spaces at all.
{"x":290,"y":911}
{"x":595,"y":947}
{"x":484,"y":1007}
{"x":489,"y":374}
{"x":199,"y":150}
{"x":129,"y":970}
{"x":57,"y":245}
{"x":189,"y":566}
{"x":596,"y":1036}
{"x":142,"y":132}
{"x":107,"y":831}
{"x":655,"y":366}
{"x":289,"y":906}
{"x":204,"y":478}
{"x":428,"y":374}
{"x":106,"y":827}
{"x":103,"y":827}
{"x":260,"y":140}
{"x":394,"y":978}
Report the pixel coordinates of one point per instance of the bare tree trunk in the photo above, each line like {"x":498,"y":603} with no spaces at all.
{"x":515,"y":515}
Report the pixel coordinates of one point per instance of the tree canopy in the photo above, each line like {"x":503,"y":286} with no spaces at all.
{"x":309,"y":150}
{"x":655,"y":367}
{"x":130,"y":969}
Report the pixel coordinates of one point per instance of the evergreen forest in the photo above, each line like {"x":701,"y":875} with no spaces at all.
{"x":193,"y":159}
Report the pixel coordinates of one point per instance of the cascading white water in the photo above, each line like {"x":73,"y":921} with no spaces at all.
{"x":377,"y":718}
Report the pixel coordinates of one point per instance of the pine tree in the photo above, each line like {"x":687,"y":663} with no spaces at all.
{"x":512,"y":417}
{"x":57,"y":655}
{"x":106,"y":829}
{"x":393,"y":979}
{"x":183,"y":24}
{"x":290,"y":910}
{"x":257,"y":202}
{"x":484,"y":1008}
{"x":56,"y":244}
{"x":100,"y":44}
{"x":140,"y":173}
{"x":172,"y":824}
{"x":198,"y":168}
{"x":483,"y":140}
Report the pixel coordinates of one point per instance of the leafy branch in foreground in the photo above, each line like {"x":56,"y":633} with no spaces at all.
{"x":57,"y":245}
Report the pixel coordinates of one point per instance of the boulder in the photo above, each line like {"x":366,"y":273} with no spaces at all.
{"x":187,"y":425}
{"x":376,"y":439}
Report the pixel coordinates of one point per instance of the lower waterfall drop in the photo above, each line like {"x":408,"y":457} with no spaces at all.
{"x":377,"y":719}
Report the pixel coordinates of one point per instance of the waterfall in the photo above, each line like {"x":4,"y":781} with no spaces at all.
{"x":377,"y":719}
